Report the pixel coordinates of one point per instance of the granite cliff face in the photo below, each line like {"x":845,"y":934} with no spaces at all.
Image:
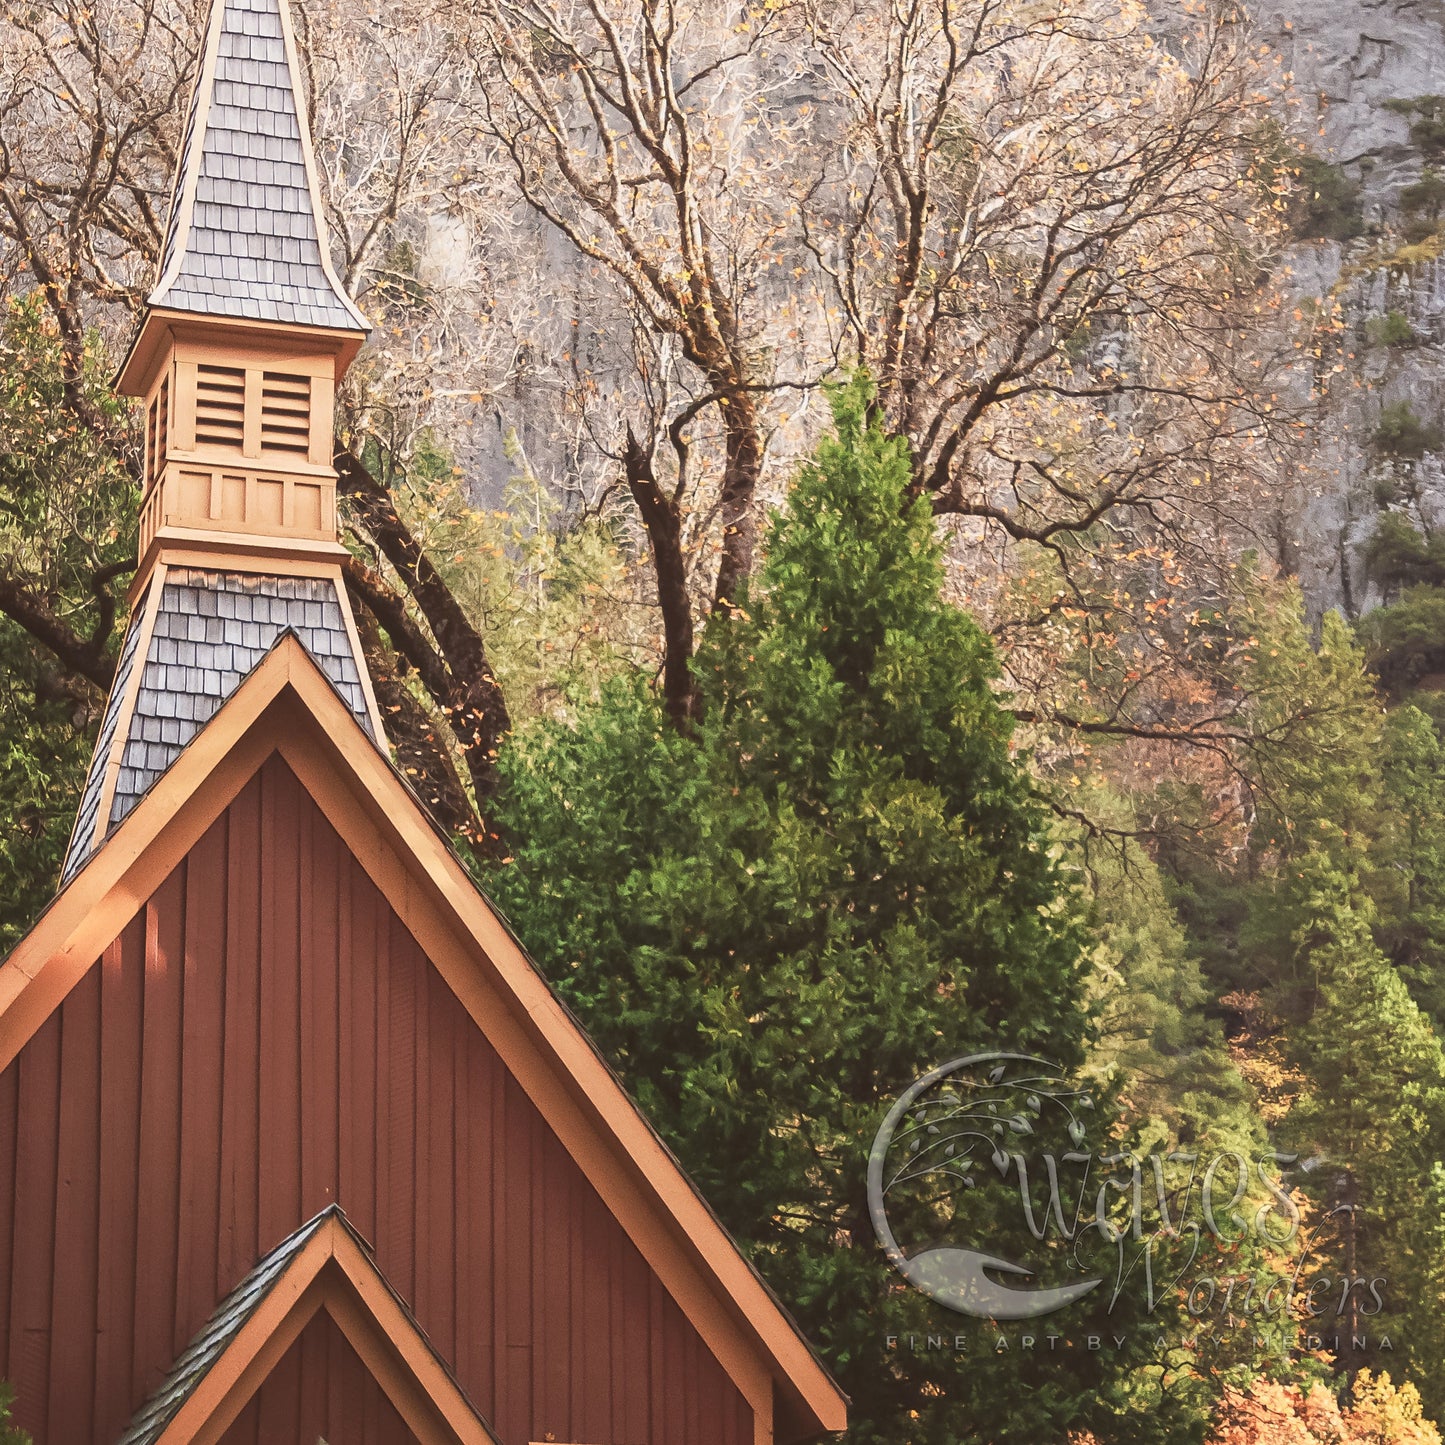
{"x":1369,"y":80}
{"x":1369,"y":94}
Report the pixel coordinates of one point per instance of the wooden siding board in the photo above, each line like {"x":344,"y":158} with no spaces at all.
{"x":438,"y":1258}
{"x":121,"y":1014}
{"x":159,"y":1222}
{"x":73,"y":1304}
{"x":203,"y":1000}
{"x":37,"y":1164}
{"x":280,"y":1061}
{"x":9,"y":1131}
{"x":240,"y":1110}
{"x":548,"y":1313}
{"x":320,"y":1064}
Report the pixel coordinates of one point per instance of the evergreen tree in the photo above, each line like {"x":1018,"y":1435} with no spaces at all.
{"x":842,"y":878}
{"x":1373,"y":1107}
{"x":1406,"y":878}
{"x":67,"y":519}
{"x":1157,"y":1032}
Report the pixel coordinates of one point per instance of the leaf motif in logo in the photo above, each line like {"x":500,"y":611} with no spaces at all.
{"x":1020,"y":1125}
{"x":996,"y":1073}
{"x":1076,"y":1131}
{"x":1000,"y":1161}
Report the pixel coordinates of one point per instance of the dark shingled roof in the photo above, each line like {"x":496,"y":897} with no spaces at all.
{"x":253,"y":247}
{"x":211,"y":630}
{"x":90,"y":799}
{"x":209,"y":1345}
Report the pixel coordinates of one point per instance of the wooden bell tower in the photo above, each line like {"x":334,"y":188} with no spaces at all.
{"x":249,"y":330}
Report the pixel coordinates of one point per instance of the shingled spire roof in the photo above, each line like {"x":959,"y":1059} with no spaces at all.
{"x":246,"y":237}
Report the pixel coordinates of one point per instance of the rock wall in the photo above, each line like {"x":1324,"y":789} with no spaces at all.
{"x":1356,"y":66}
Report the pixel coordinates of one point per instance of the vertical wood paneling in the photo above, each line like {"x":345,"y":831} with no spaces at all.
{"x":37,"y":1164}
{"x":9,"y":1119}
{"x":287,"y":1409}
{"x":240,"y":1100}
{"x":121,"y":1014}
{"x":397,"y":1095}
{"x":280,"y":1083}
{"x":320,"y":1070}
{"x":77,"y":1205}
{"x":158,"y":1204}
{"x":203,"y":1000}
{"x":267,"y":1036}
{"x":438,"y":1258}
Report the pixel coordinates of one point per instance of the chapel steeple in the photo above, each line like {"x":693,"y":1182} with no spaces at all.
{"x":237,"y":360}
{"x":248,"y":330}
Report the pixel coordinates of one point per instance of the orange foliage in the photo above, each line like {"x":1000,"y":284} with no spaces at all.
{"x":1272,"y":1414}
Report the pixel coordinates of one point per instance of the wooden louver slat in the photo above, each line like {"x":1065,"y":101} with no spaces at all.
{"x":163,"y":420}
{"x":220,"y":406}
{"x":157,"y":423}
{"x":285,"y":413}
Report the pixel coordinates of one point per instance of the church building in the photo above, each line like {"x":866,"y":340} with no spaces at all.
{"x":296,"y":1145}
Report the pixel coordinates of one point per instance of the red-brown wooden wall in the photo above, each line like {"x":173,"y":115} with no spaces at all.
{"x":266,"y":1037}
{"x":319,"y":1390}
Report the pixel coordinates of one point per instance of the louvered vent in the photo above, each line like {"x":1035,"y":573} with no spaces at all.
{"x":153,"y":464}
{"x":285,"y":413}
{"x":220,"y":406}
{"x":163,"y":422}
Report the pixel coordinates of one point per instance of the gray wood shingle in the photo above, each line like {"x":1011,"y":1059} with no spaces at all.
{"x":252,"y":248}
{"x":200,"y":652}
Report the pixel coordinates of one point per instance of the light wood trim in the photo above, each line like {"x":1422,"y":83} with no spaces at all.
{"x":165,"y":329}
{"x":348,"y":618}
{"x":251,"y":412}
{"x":127,"y":711}
{"x":393,"y":840}
{"x":259,"y":1346}
{"x":183,"y":410}
{"x":180,"y":554}
{"x":323,"y":421}
{"x":270,"y":553}
{"x":331,"y":1273}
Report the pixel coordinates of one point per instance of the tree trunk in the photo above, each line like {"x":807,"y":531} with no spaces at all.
{"x":663,"y":522}
{"x":461,"y":682}
{"x":739,"y":514}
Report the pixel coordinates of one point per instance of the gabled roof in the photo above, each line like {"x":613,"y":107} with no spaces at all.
{"x":287,"y":707}
{"x":324,"y":1265}
{"x":246,"y":236}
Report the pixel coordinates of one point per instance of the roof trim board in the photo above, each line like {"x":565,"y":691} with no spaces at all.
{"x":287,"y":707}
{"x":324,"y":1265}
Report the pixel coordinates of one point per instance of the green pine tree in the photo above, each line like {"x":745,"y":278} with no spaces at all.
{"x":1406,"y":878}
{"x":9,"y":1435}
{"x":1373,"y":1107}
{"x":772,"y":926}
{"x":67,"y":519}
